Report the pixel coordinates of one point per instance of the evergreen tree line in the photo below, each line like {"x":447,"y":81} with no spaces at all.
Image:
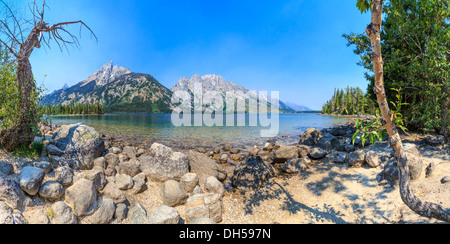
{"x":416,"y":55}
{"x":75,"y":108}
{"x":349,"y":101}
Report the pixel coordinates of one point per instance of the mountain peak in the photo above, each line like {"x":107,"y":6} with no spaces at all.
{"x":210,"y":82}
{"x":107,"y":73}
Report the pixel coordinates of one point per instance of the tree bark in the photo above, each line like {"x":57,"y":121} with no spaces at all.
{"x":422,"y":208}
{"x":22,"y":133}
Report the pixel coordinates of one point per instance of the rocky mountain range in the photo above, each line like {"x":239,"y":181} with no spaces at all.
{"x":121,"y":90}
{"x":118,"y":89}
{"x":219,"y":84}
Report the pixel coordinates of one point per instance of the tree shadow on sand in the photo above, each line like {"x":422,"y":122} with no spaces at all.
{"x":274,"y":190}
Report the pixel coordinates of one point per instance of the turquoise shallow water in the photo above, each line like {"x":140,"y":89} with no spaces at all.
{"x":159,"y":127}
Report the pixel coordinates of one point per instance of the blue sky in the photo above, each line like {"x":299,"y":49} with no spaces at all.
{"x":295,"y":47}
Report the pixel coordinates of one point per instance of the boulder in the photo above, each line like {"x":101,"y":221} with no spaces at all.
{"x":295,"y":165}
{"x":317,"y":153}
{"x":162,"y":164}
{"x":372,"y":159}
{"x":303,"y":151}
{"x":173,"y":193}
{"x":30,"y":179}
{"x":100,"y":162}
{"x":213,"y":185}
{"x":46,"y":166}
{"x":64,"y":175}
{"x":95,"y":175}
{"x":310,"y":137}
{"x":204,"y":205}
{"x":130,"y":169}
{"x":121,"y":211}
{"x":82,"y":197}
{"x":81,"y":145}
{"x":38,"y":217}
{"x":51,"y":190}
{"x":390,"y":171}
{"x":356,"y":158}
{"x":105,"y":212}
{"x":328,"y":142}
{"x":138,"y":183}
{"x":129,"y":151}
{"x":6,"y":168}
{"x":11,"y":193}
{"x":112,"y":191}
{"x":164,"y":215}
{"x":435,"y":140}
{"x":62,"y":214}
{"x":284,"y":153}
{"x":124,"y":182}
{"x":54,"y":150}
{"x":137,"y":214}
{"x":8,"y":216}
{"x":205,"y":167}
{"x":252,"y":174}
{"x":189,"y":181}
{"x":340,"y":157}
{"x":112,"y":159}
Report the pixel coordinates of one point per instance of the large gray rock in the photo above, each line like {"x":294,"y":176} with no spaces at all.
{"x":284,"y":153}
{"x":8,"y":216}
{"x":310,"y":137}
{"x":137,"y":214}
{"x":62,"y":214}
{"x":372,"y":159}
{"x":295,"y":165}
{"x":356,"y":158}
{"x":105,"y":212}
{"x":189,"y":181}
{"x":6,"y":168}
{"x":328,"y":142}
{"x":212,"y":184}
{"x":11,"y":193}
{"x":173,"y":193}
{"x":205,"y":167}
{"x":64,"y":175}
{"x":81,"y":145}
{"x":435,"y":140}
{"x":30,"y":179}
{"x":112,"y":191}
{"x":130,"y":169}
{"x":82,"y":197}
{"x":51,"y":190}
{"x":164,"y":215}
{"x":317,"y":153}
{"x":162,"y":163}
{"x":252,"y":174}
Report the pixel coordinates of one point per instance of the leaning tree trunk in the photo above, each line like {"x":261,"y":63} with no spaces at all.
{"x":22,"y":132}
{"x":422,"y":208}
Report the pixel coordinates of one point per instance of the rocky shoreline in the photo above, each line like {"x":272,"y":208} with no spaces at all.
{"x":88,"y":178}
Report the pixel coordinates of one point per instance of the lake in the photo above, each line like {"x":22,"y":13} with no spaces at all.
{"x":159,"y":127}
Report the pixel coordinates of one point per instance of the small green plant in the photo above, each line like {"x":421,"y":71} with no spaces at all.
{"x":374,"y":130}
{"x":33,"y":151}
{"x":50,"y":213}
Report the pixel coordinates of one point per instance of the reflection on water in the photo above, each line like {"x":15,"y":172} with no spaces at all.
{"x":158,"y":127}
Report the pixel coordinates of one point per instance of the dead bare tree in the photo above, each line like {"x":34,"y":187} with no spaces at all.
{"x":12,"y":31}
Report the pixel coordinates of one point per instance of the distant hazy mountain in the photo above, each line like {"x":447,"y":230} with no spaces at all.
{"x":297,"y":108}
{"x":119,"y":89}
{"x":217,"y":83}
